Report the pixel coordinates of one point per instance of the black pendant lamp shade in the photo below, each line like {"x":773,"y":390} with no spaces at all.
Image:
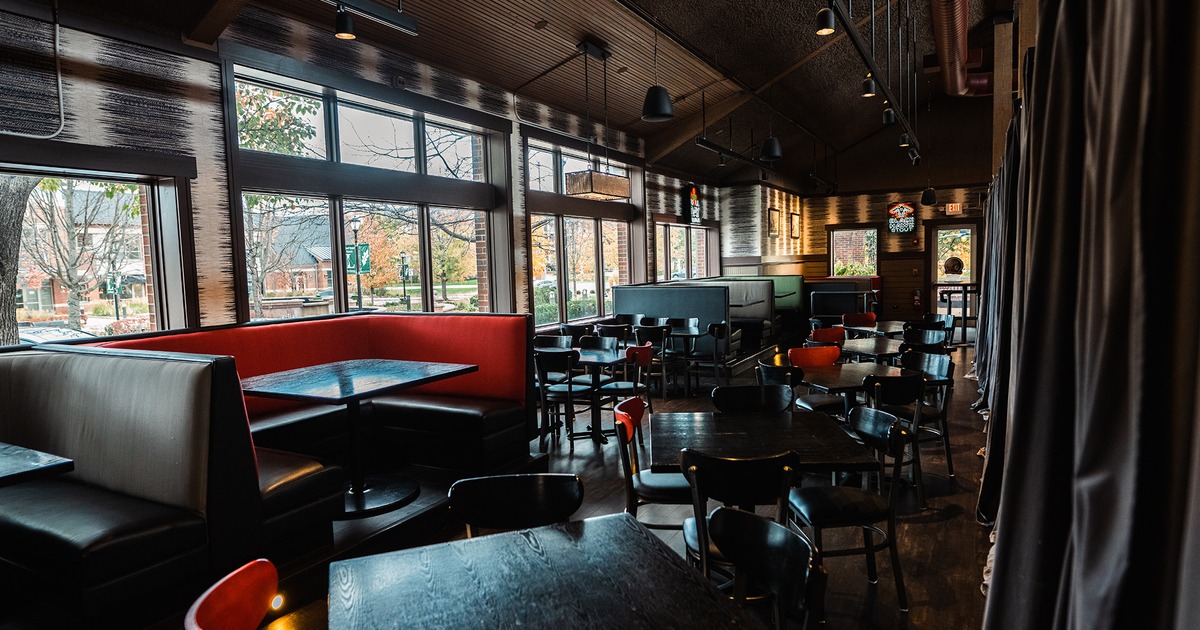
{"x":868,"y":86}
{"x":904,"y":140}
{"x":657,"y":106}
{"x":825,"y":21}
{"x":889,"y":116}
{"x":344,"y":25}
{"x":929,"y":197}
{"x":771,"y":150}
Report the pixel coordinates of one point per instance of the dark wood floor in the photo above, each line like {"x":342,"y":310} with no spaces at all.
{"x":942,"y":548}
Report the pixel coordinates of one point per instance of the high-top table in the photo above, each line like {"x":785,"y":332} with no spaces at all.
{"x":878,"y":348}
{"x":603,"y":572}
{"x":18,"y":464}
{"x":348,"y":383}
{"x":822,"y":444}
{"x":882,"y":329}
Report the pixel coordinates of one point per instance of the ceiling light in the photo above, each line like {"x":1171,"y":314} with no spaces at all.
{"x":868,"y":86}
{"x":720,"y":159}
{"x":657,"y":105}
{"x":904,"y":140}
{"x":344,"y":24}
{"x":393,"y":18}
{"x":889,"y":116}
{"x":595,"y":183}
{"x":771,"y":150}
{"x":825,"y":21}
{"x":915,"y":156}
{"x":929,"y":197}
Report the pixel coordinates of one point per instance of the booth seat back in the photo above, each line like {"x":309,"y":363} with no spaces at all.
{"x":498,"y":344}
{"x":132,"y":425}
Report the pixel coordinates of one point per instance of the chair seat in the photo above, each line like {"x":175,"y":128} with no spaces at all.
{"x":663,"y":487}
{"x":821,"y":402}
{"x":626,"y":388}
{"x":691,"y":538}
{"x":563,"y":389}
{"x":586,"y":379}
{"x":837,"y":506}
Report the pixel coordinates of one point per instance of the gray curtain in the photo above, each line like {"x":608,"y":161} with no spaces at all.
{"x":1099,"y":521}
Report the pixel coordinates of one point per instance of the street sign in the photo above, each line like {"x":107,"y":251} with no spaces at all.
{"x":364,"y":255}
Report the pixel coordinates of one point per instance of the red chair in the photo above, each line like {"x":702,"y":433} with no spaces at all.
{"x":835,"y":334}
{"x":239,"y":601}
{"x":858,"y":319}
{"x":813,"y":357}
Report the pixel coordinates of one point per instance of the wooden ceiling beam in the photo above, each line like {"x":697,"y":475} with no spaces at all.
{"x":214,"y":21}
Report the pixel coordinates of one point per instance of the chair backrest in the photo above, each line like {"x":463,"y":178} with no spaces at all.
{"x":620,"y":332}
{"x":576,"y":331}
{"x":654,"y":335}
{"x":752,"y":398}
{"x":628,"y":415}
{"x":683,"y":322}
{"x":924,"y":336}
{"x":946,"y":319}
{"x":551,"y":341}
{"x":895,"y":390}
{"x":519,"y":501}
{"x":883,"y":433}
{"x":779,"y":559}
{"x":768,"y":374}
{"x":814,"y":356}
{"x":630,"y":319}
{"x":932,"y":365}
{"x":836,"y":334}
{"x":858,"y":319}
{"x":641,"y":356}
{"x":238,"y":601}
{"x":736,"y":481}
{"x":592,"y":342}
{"x":652,"y":321}
{"x":927,"y":348}
{"x":546,"y":361}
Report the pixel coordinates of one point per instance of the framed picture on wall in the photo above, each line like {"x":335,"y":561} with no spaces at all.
{"x":773,"y":222}
{"x":794,"y":225}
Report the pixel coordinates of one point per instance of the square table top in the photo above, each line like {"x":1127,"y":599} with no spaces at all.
{"x":822,"y":444}
{"x":841,"y":378}
{"x":873,"y":347}
{"x":18,"y":464}
{"x":603,"y":572}
{"x":343,"y":381}
{"x":880,"y":328}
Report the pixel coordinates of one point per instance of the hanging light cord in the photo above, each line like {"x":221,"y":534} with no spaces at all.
{"x":656,"y":55}
{"x":606,"y":129}
{"x":587,"y":99}
{"x":62,"y":114}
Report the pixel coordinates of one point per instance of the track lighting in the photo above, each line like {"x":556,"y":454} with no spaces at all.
{"x":889,"y":116}
{"x":825,"y":21}
{"x":915,"y":156}
{"x":868,"y":86}
{"x":904,"y":140}
{"x":344,"y":24}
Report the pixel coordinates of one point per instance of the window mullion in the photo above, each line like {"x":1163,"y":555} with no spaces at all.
{"x":419,"y":137}
{"x":424,"y":235}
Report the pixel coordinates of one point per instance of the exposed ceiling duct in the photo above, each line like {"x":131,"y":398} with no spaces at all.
{"x":950,"y":20}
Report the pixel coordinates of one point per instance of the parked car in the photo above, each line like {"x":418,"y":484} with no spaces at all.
{"x":42,"y":334}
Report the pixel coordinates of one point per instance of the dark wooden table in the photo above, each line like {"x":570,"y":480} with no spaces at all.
{"x":18,"y":464}
{"x":604,"y":572}
{"x":348,"y":383}
{"x":882,"y":329}
{"x":846,"y":379}
{"x":595,"y":361}
{"x":878,"y":348}
{"x":822,"y":444}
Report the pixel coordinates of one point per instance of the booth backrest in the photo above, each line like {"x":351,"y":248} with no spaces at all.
{"x":498,"y":344}
{"x":748,"y":298}
{"x":789,"y":289}
{"x":709,"y":304}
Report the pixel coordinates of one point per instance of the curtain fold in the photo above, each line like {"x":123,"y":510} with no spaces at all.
{"x":1100,"y":491}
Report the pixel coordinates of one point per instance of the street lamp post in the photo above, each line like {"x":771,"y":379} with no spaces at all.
{"x":356,"y":223}
{"x":404,"y":279}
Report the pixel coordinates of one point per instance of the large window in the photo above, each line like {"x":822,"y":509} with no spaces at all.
{"x":383,"y":253}
{"x":853,"y":252}
{"x":580,"y":258}
{"x":594,"y":256}
{"x":543,"y":265}
{"x":681,"y":252}
{"x":80,"y":260}
{"x":547,"y":166}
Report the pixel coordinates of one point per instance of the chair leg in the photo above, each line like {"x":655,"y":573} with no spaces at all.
{"x":946,"y":445}
{"x":872,"y":574}
{"x":918,"y":476}
{"x":901,"y":594}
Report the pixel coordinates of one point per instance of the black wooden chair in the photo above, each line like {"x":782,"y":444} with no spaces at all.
{"x":777,"y":559}
{"x":638,"y":360}
{"x":744,"y":483}
{"x":945,"y":319}
{"x":925,"y":333}
{"x":824,"y":507}
{"x":553,"y":394}
{"x":662,"y":365}
{"x":935,"y":411}
{"x":643,"y":487}
{"x":726,"y":343}
{"x":630,"y":319}
{"x":752,"y":398}
{"x":576,"y":331}
{"x":621,"y":332}
{"x":927,"y":348}
{"x":508,"y":502}
{"x":593,"y":342}
{"x":904,"y":394}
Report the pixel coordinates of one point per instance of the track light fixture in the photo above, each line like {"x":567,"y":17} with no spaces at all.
{"x":344,"y":24}
{"x":825,"y":21}
{"x":889,"y":116}
{"x":915,"y":156}
{"x":929,"y":197}
{"x":904,"y":142}
{"x":868,"y":86}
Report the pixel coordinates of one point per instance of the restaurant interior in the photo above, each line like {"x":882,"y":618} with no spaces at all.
{"x":633,"y":313}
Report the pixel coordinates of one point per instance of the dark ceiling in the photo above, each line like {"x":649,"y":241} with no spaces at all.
{"x":758,"y":67}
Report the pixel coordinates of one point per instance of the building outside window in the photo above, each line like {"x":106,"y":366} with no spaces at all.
{"x":84,"y":264}
{"x":681,"y":252}
{"x":853,"y":252}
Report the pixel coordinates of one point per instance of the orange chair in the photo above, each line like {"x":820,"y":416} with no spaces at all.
{"x":643,"y":487}
{"x":813,"y":357}
{"x":858,"y":319}
{"x":835,"y":334}
{"x":239,"y":601}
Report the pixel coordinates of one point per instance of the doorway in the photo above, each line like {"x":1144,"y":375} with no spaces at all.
{"x":953,"y":249}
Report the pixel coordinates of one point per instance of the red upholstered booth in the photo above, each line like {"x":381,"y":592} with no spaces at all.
{"x":473,"y":423}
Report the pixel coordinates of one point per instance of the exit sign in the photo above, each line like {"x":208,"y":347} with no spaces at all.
{"x":953,"y":208}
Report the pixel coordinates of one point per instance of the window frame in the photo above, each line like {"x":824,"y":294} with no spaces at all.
{"x":830,"y":229}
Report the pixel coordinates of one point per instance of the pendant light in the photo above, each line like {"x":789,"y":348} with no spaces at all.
{"x":929,"y":197}
{"x":657,"y":105}
{"x":868,"y":86}
{"x":344,"y":24}
{"x":771,"y":148}
{"x":825,"y":21}
{"x":904,"y":140}
{"x":889,"y":116}
{"x":594,"y":183}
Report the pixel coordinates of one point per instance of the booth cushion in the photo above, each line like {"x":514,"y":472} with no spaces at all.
{"x":288,"y":480}
{"x":85,"y":535}
{"x":453,"y":415}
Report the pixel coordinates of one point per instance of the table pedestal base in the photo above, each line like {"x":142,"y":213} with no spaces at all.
{"x":380,"y":493}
